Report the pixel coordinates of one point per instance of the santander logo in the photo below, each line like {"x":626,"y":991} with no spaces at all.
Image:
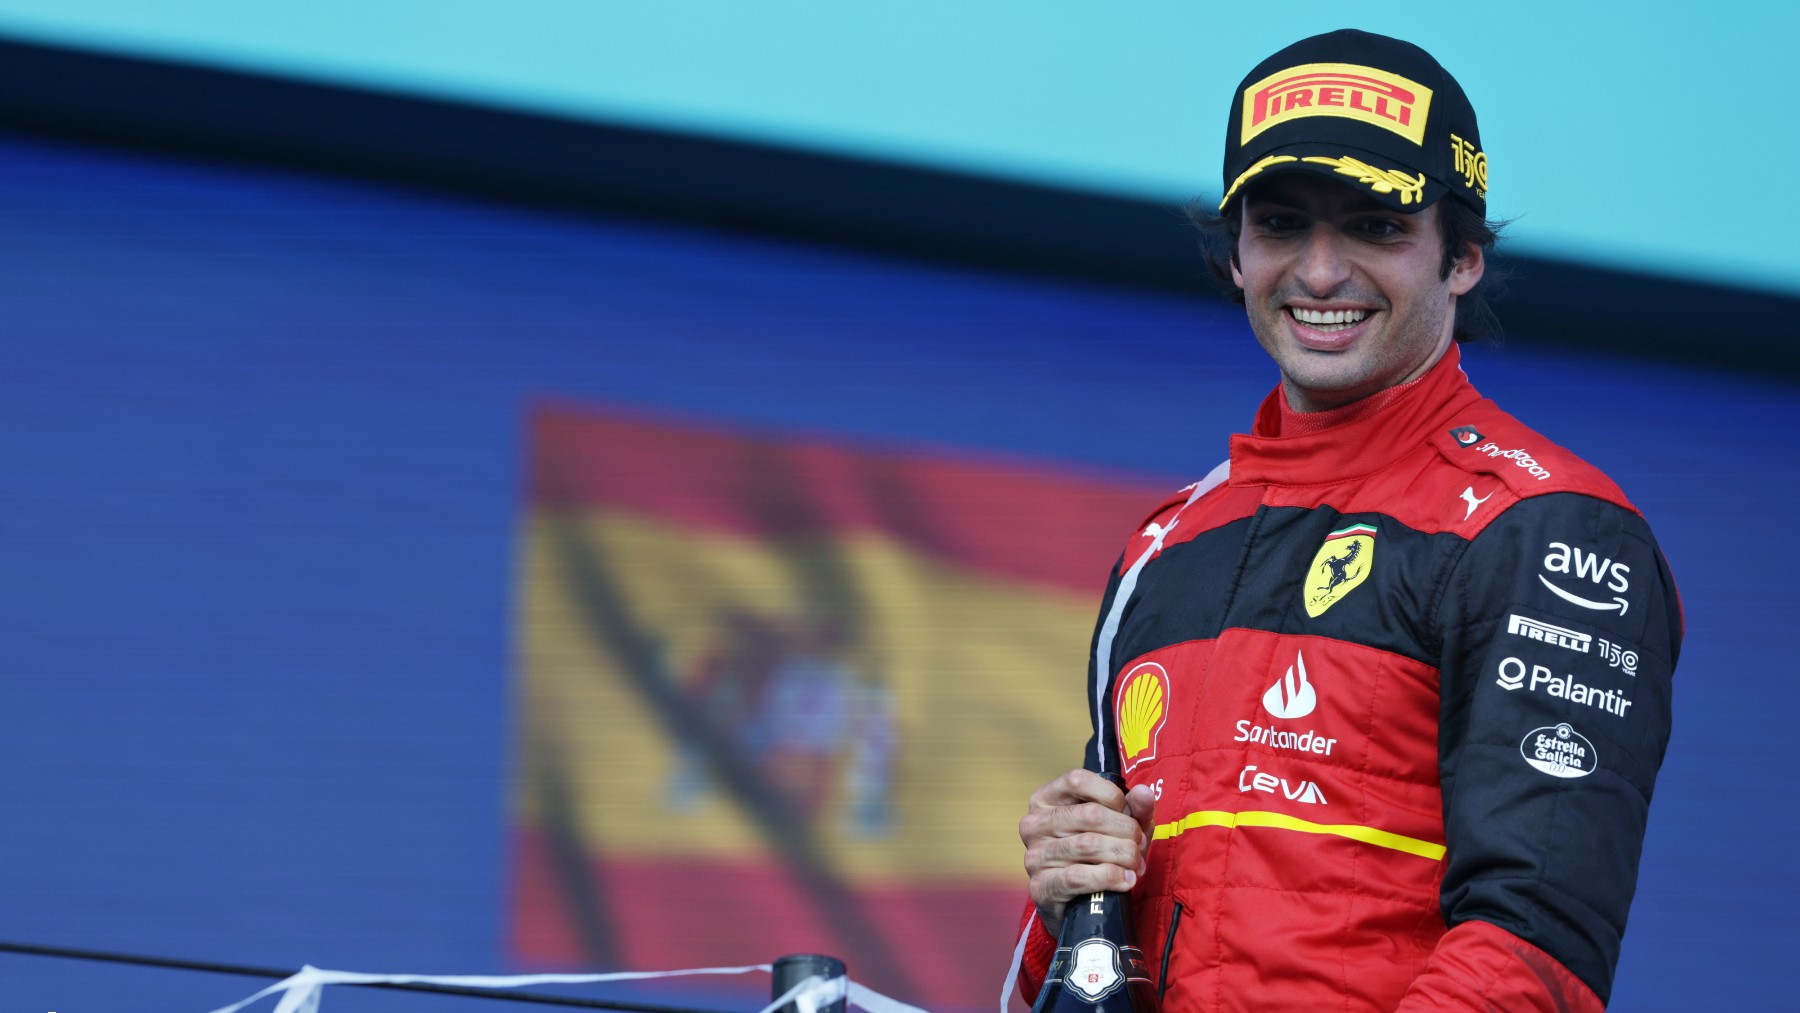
{"x":1292,"y":696}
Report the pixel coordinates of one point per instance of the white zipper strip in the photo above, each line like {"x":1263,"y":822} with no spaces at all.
{"x":1127,"y":584}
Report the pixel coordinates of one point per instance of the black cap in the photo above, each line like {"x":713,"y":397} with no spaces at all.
{"x":1360,"y":108}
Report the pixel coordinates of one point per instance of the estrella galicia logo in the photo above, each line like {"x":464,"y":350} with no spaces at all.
{"x":1559,"y":751}
{"x":1466,"y":436}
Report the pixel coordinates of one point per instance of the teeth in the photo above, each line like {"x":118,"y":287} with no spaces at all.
{"x":1328,"y":317}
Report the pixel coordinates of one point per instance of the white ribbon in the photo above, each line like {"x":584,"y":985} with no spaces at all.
{"x":301,"y":991}
{"x":810,"y":995}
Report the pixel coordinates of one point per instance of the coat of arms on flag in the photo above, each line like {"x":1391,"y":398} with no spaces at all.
{"x":784,"y":695}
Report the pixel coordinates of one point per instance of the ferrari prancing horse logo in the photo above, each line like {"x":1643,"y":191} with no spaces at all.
{"x":1340,"y":567}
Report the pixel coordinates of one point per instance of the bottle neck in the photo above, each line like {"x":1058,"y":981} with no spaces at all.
{"x":1097,"y":914}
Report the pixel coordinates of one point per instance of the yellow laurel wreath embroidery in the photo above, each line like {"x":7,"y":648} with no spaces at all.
{"x":1410,"y":188}
{"x":1253,"y":170}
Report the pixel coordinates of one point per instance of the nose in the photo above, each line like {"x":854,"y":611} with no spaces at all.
{"x":1323,"y":266}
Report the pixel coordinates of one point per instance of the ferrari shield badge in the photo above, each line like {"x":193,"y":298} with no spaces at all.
{"x":1339,"y":568}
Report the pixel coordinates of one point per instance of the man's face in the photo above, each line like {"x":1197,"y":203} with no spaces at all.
{"x":1342,"y":292}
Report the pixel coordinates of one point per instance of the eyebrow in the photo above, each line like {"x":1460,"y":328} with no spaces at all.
{"x":1292,"y":202}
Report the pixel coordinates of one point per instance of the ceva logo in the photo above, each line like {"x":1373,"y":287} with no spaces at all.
{"x":1292,"y":696}
{"x":1304,"y":791}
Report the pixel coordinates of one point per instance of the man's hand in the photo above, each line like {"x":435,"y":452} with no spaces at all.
{"x":1083,"y":835}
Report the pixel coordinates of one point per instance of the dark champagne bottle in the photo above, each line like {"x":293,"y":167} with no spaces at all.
{"x":1097,"y":967}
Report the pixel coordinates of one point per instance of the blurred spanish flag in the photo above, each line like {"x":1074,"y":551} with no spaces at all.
{"x":788,"y":695}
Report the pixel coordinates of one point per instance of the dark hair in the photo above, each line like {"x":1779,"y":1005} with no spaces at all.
{"x":1458,"y":223}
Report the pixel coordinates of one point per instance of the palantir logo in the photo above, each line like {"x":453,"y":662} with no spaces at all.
{"x":1292,"y":696}
{"x":1563,"y":687}
{"x":1514,"y":678}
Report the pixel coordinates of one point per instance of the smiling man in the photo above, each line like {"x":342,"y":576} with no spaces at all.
{"x":1390,"y":687}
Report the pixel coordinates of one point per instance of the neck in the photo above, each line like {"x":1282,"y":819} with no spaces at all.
{"x":1299,"y":423}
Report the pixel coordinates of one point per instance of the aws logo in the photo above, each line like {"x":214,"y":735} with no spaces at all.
{"x":1572,"y":561}
{"x":1141,"y":707}
{"x":1340,"y":567}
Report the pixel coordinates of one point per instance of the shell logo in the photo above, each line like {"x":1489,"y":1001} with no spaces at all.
{"x":1142,"y":706}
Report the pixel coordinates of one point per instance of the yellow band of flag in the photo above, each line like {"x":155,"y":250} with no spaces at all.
{"x":1281,"y":821}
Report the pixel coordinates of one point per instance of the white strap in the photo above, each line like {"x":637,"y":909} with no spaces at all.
{"x":1018,"y":960}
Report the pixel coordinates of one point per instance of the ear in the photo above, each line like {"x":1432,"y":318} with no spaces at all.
{"x":1237,"y":273}
{"x":1468,"y":270}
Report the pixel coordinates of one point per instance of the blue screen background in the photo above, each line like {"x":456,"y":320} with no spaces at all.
{"x":261,"y":482}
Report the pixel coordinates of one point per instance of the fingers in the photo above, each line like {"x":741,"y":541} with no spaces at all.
{"x":1140,"y":804}
{"x":1053,"y":888}
{"x":1084,"y":849}
{"x":1083,"y":835}
{"x":1052,"y":823}
{"x":1077,"y":786}
{"x":1082,"y":802}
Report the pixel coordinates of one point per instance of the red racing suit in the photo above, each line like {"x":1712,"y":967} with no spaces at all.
{"x":1402,"y":688}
